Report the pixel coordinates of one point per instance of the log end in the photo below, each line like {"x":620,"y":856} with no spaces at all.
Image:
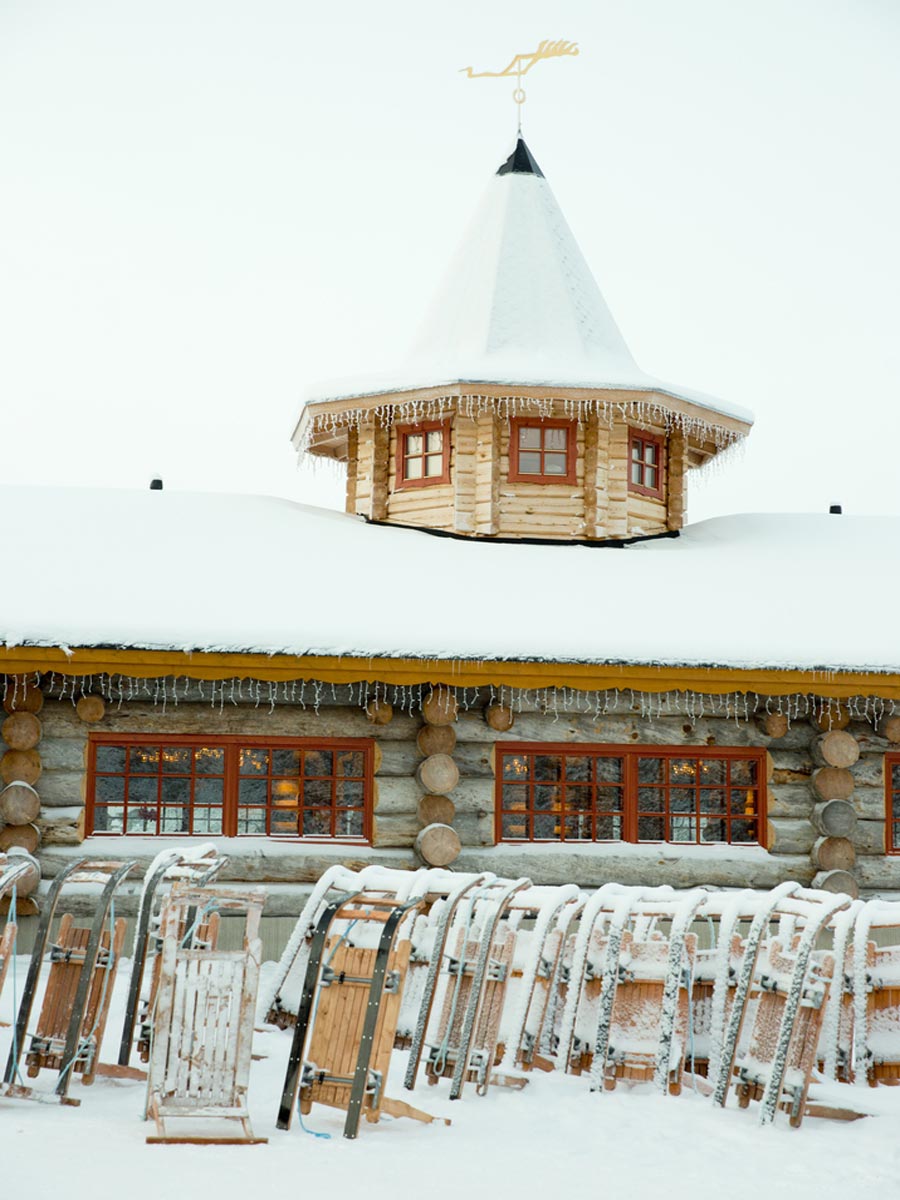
{"x":499,"y":717}
{"x":438,"y":845}
{"x":440,"y":707}
{"x":836,"y":881}
{"x":91,"y":709}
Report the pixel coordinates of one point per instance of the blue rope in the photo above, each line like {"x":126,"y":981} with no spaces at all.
{"x":316,"y":1133}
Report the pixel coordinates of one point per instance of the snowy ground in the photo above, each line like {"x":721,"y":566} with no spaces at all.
{"x":554,"y":1135}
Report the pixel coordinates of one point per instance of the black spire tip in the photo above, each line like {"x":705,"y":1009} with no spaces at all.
{"x":521,"y":162}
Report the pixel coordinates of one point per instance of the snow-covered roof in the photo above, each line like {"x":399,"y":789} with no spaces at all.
{"x":520,"y":306}
{"x":190,"y":571}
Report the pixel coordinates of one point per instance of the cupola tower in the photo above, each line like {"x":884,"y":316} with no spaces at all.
{"x":521,"y":412}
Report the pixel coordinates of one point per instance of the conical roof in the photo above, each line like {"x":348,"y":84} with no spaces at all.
{"x":519,"y":305}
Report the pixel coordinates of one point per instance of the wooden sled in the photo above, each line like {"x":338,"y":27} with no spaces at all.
{"x":532,"y":994}
{"x":83,"y":962}
{"x":203,"y":1024}
{"x":466,"y":1045}
{"x":201,"y":934}
{"x":347,"y":1019}
{"x":67,"y":960}
{"x":778,"y":1065}
{"x":197,"y":866}
{"x":636,"y":1026}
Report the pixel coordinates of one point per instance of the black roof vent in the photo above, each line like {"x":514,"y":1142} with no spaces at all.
{"x":836,"y":508}
{"x":156,"y":485}
{"x":521,"y":162}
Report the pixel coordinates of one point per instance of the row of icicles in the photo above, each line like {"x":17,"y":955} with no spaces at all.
{"x":556,"y":701}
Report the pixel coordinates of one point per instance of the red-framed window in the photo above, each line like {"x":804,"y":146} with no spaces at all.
{"x":542,"y":451}
{"x":646,"y":463}
{"x":423,"y":454}
{"x":892,"y":801}
{"x":573,"y":793}
{"x":231,"y":786}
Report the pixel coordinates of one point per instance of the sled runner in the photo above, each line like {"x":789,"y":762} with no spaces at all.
{"x":11,"y":870}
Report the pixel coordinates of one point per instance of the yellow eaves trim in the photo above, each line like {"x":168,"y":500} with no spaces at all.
{"x":153,"y":664}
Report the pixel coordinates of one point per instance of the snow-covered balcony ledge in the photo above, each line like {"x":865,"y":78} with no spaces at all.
{"x":287,"y":869}
{"x":651,"y":864}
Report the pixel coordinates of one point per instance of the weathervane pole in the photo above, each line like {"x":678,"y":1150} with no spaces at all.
{"x":521,"y":64}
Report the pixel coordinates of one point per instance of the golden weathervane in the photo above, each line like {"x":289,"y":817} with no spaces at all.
{"x":521,"y":64}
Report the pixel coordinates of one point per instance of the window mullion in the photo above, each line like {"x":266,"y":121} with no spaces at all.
{"x":230,"y":790}
{"x":629,"y":823}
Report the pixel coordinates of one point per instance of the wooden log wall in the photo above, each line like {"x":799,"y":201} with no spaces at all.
{"x":432,"y":507}
{"x":480,"y":498}
{"x":549,"y":510}
{"x":826,"y":802}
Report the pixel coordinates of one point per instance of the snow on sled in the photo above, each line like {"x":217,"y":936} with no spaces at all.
{"x":861,"y":1034}
{"x":280,"y":1000}
{"x":83,"y":962}
{"x":344,"y":1031}
{"x":793,"y":986}
{"x":203,"y":1017}
{"x":532,"y":994}
{"x":464,"y":1046}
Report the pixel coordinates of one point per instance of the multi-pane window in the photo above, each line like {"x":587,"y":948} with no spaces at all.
{"x":645,"y":464}
{"x":541,"y":451}
{"x":423,"y":454}
{"x":632,"y":794}
{"x":230,"y":786}
{"x":892,"y":786}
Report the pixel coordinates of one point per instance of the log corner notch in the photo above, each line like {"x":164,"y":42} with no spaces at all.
{"x":438,"y":843}
{"x":380,"y":712}
{"x":499,"y":717}
{"x":91,"y":709}
{"x":834,"y":816}
{"x":22,"y":695}
{"x":774,"y":725}
{"x":440,"y":706}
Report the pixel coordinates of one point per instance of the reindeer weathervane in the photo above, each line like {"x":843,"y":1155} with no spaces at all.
{"x":521,"y":64}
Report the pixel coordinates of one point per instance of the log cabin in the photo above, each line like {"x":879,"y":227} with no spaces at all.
{"x":510,"y":653}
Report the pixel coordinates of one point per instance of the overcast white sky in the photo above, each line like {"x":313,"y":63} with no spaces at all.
{"x":207,"y":204}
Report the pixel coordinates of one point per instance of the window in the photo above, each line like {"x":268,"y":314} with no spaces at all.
{"x":541,"y":451}
{"x":645,"y":463}
{"x":423,"y":454}
{"x":892,"y":786}
{"x":627,"y":793}
{"x":230,"y":786}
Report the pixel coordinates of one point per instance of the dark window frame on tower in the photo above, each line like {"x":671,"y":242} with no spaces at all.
{"x":543,"y":426}
{"x":404,"y":457}
{"x":642,"y":463}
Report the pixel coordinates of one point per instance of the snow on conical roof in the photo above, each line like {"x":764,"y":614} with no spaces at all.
{"x":519,"y":305}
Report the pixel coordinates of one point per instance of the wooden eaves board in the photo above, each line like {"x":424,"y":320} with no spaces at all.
{"x":154,"y":664}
